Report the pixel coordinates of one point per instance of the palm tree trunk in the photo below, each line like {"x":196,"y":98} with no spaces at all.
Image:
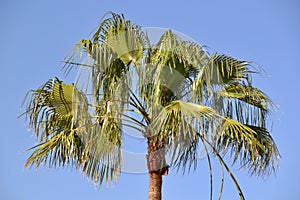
{"x":155,"y":185}
{"x":157,"y":167}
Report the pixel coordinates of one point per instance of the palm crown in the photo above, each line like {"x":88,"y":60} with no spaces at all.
{"x":177,"y":95}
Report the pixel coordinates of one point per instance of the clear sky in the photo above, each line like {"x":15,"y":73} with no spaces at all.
{"x":35,"y":35}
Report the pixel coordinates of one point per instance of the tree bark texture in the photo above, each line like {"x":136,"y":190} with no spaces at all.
{"x":157,"y":167}
{"x":155,"y":186}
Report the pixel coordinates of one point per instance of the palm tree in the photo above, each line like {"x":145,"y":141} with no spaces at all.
{"x":178,"y":96}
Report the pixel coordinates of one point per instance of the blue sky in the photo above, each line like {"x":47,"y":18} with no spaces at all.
{"x":36,"y":35}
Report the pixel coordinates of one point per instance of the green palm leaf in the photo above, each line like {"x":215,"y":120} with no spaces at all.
{"x":232,"y":70}
{"x":248,"y":94}
{"x":252,"y":145}
{"x":219,"y":71}
{"x":170,"y":67}
{"x":181,"y":122}
{"x":123,"y":37}
{"x":51,"y":111}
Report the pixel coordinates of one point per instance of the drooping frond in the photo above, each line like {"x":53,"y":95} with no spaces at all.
{"x":219,"y":71}
{"x":115,"y":45}
{"x":232,"y":70}
{"x":50,"y":102}
{"x":243,"y":103}
{"x":252,"y":146}
{"x":247,"y":94}
{"x":51,"y":113}
{"x":181,"y":122}
{"x":58,"y":150}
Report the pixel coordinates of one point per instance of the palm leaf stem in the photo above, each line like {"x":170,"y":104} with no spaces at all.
{"x":210,"y":168}
{"x":141,"y":109}
{"x":134,"y":120}
{"x":226,"y":167}
{"x":222,"y":181}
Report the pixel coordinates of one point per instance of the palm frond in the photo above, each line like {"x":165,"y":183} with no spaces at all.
{"x":253,"y":146}
{"x":47,"y":104}
{"x":55,"y":112}
{"x":58,"y":150}
{"x":184,"y":56}
{"x":247,"y":94}
{"x":50,"y":115}
{"x":219,"y":71}
{"x":170,"y":66}
{"x":243,"y":103}
{"x":180,"y":122}
{"x":125,"y":38}
{"x":232,"y":70}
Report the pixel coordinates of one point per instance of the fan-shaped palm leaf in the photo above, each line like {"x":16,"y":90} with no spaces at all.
{"x":51,"y":115}
{"x":181,"y":122}
{"x":125,"y":38}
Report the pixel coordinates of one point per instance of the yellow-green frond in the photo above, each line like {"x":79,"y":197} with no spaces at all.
{"x":68,"y":135}
{"x":123,"y":37}
{"x":181,"y":122}
{"x":247,"y":94}
{"x":232,"y":70}
{"x":219,"y":71}
{"x":252,"y":146}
